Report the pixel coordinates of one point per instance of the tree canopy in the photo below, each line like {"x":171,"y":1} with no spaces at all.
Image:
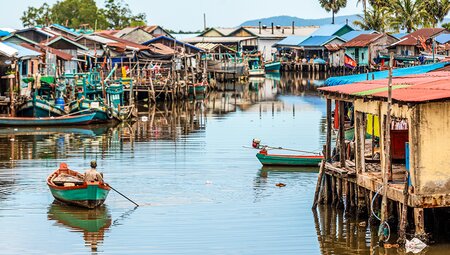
{"x":83,"y":13}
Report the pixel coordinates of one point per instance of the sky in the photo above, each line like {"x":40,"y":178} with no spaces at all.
{"x":188,"y":15}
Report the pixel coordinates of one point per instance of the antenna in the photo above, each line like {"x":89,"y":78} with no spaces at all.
{"x":204,"y":21}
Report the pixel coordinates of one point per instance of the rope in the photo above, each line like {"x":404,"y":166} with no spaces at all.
{"x":385,"y":222}
{"x":281,"y":148}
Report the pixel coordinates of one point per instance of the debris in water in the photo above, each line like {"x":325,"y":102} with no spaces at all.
{"x":415,"y":245}
{"x":208,"y":182}
{"x":280,"y":184}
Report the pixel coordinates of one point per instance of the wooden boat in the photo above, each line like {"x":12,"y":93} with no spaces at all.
{"x":272,"y":67}
{"x":67,"y":186}
{"x":200,"y":88}
{"x":288,"y":160}
{"x":39,"y":107}
{"x":47,"y":121}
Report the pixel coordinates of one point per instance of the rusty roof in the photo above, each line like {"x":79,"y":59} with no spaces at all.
{"x":411,"y":39}
{"x":121,"y":41}
{"x":410,"y":89}
{"x":333,"y":46}
{"x":362,"y":40}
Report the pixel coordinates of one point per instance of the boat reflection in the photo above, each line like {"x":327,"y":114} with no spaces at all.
{"x":265,"y":171}
{"x":92,"y":223}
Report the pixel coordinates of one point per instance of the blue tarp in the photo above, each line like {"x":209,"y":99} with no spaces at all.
{"x":4,"y":33}
{"x":443,"y":38}
{"x":349,"y":79}
{"x":292,"y":40}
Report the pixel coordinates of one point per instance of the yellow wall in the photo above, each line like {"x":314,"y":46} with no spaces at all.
{"x":212,"y":33}
{"x":433,"y":153}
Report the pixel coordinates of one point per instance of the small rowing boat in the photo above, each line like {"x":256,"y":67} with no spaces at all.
{"x":68,"y":186}
{"x":288,"y":160}
{"x":47,"y":121}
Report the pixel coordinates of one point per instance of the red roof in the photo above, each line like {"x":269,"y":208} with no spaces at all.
{"x":42,"y":48}
{"x":333,"y":47}
{"x":411,"y":39}
{"x":414,"y":88}
{"x":362,"y":40}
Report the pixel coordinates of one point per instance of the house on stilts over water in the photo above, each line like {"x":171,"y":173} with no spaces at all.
{"x":395,"y":164}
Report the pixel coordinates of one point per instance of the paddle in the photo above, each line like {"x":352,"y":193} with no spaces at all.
{"x":123,"y":195}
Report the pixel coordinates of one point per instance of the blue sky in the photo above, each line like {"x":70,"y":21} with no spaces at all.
{"x":188,"y":15}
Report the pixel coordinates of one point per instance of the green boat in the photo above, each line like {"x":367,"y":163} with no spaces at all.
{"x":274,"y":67}
{"x":67,"y":186}
{"x":45,"y":100}
{"x":200,"y":88}
{"x":288,"y":160}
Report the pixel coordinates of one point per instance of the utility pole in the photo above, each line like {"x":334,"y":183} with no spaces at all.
{"x":204,"y":21}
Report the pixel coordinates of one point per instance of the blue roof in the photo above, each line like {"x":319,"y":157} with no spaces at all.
{"x":22,"y":51}
{"x":349,"y":79}
{"x":4,"y":33}
{"x":66,"y":29}
{"x":317,"y":41}
{"x":443,"y":38}
{"x":171,"y":39}
{"x":292,"y":40}
{"x":399,"y":35}
{"x":328,"y":30}
{"x":353,"y":34}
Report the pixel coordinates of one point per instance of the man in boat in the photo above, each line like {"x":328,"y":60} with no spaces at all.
{"x":92,"y":175}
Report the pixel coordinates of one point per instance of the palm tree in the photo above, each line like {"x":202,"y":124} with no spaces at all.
{"x":333,"y":6}
{"x":408,"y":14}
{"x":374,"y":19}
{"x":437,"y":10}
{"x":364,"y":4}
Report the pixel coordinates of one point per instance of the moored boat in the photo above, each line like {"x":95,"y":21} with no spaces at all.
{"x":288,"y":160}
{"x":272,"y":67}
{"x":67,"y":186}
{"x":47,"y":121}
{"x":199,"y":88}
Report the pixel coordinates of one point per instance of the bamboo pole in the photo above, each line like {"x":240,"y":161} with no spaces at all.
{"x":387,"y":165}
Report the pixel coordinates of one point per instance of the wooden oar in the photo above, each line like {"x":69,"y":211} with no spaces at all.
{"x":123,"y":195}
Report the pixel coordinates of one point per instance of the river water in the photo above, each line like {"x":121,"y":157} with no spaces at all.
{"x":200,"y":190}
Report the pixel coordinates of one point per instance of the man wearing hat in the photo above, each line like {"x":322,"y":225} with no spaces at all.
{"x":92,"y":175}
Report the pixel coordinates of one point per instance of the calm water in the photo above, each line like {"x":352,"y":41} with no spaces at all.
{"x":200,"y":190}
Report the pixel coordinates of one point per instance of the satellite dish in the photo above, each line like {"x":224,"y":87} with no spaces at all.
{"x":8,"y":62}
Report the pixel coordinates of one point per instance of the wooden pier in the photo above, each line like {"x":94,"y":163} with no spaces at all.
{"x":394,"y":170}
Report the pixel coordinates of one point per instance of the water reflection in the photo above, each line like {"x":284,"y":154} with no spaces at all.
{"x":92,"y":223}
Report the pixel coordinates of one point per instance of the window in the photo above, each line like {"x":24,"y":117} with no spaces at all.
{"x":362,"y":55}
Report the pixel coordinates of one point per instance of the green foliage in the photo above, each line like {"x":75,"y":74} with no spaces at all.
{"x":333,"y":6}
{"x":374,"y":19}
{"x":437,"y":10}
{"x":36,"y":16}
{"x":408,"y":15}
{"x":83,"y":13}
{"x":446,"y":26}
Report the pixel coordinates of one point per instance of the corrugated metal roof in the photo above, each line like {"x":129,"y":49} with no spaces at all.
{"x":23,"y":52}
{"x":443,"y":38}
{"x":7,"y":50}
{"x":291,"y":41}
{"x":318,"y":41}
{"x":399,"y":35}
{"x":4,"y":33}
{"x":329,"y":30}
{"x":414,"y":89}
{"x":333,"y":47}
{"x":411,"y":39}
{"x":352,"y":34}
{"x":125,"y":31}
{"x":207,"y":39}
{"x":362,"y":40}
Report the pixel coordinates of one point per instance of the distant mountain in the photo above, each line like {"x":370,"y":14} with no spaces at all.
{"x":287,"y":21}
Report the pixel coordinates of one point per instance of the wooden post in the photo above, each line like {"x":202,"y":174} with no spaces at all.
{"x":387,"y":165}
{"x":404,"y":213}
{"x":328,"y":141}
{"x":319,"y":182}
{"x":333,"y":189}
{"x":342,"y":133}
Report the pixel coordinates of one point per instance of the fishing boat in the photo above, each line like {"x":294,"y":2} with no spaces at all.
{"x":254,"y":65}
{"x":67,"y":186}
{"x":272,"y":67}
{"x":45,"y":99}
{"x":267,"y":159}
{"x":47,"y":121}
{"x":200,"y":88}
{"x":288,"y":160}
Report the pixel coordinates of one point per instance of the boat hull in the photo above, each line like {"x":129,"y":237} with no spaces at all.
{"x":47,"y":121}
{"x":88,"y":195}
{"x":288,"y":160}
{"x":256,"y":72}
{"x":101,"y":113}
{"x":42,"y":108}
{"x":273,"y":67}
